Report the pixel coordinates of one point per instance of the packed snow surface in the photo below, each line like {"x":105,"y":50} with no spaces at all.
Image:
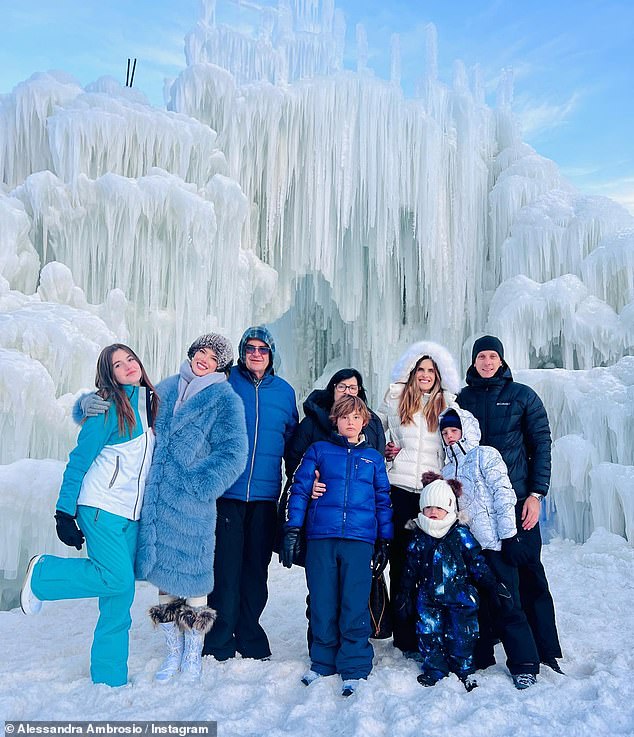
{"x":45,"y":669}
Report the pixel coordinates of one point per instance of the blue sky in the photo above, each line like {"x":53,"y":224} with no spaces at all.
{"x":573,"y":61}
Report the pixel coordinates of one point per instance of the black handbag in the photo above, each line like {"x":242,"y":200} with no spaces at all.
{"x":380,"y":612}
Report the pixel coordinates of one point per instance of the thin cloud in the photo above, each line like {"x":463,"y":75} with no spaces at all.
{"x":619,"y":189}
{"x":161,"y":56}
{"x":576,"y":172}
{"x":536,"y":118}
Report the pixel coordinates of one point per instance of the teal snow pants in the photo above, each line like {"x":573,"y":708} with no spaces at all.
{"x":107,"y":573}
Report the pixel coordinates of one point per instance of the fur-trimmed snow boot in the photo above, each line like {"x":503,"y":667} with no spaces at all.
{"x":163,"y":616}
{"x":195,"y":622}
{"x":175,"y":644}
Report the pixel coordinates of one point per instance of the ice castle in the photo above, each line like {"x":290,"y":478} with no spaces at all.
{"x":278,"y":186}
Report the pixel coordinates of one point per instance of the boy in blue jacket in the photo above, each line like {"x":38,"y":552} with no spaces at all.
{"x":347,"y":533}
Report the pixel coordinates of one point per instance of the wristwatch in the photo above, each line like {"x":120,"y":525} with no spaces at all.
{"x":537,"y":495}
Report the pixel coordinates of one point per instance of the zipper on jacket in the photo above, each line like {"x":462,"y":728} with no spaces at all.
{"x":115,"y":474}
{"x":97,"y":514}
{"x":138,"y":481}
{"x":255,"y":438}
{"x":418,"y":473}
{"x":455,"y":455}
{"x":345,"y":494}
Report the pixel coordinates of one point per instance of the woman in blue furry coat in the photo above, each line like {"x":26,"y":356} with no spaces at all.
{"x":201,"y":450}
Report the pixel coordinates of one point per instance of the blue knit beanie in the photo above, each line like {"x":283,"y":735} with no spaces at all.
{"x":449,"y":418}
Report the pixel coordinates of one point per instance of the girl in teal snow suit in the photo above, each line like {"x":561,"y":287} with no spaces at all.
{"x":102,"y":491}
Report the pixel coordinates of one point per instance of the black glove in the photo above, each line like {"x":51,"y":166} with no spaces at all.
{"x":290,"y":546}
{"x":515,"y":551}
{"x":67,"y":530}
{"x":404,"y":605}
{"x":380,"y":557}
{"x":504,"y":598}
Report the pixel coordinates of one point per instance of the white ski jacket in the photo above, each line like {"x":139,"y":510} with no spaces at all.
{"x":421,"y":450}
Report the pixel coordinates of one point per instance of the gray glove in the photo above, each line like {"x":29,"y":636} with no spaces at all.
{"x":93,"y":405}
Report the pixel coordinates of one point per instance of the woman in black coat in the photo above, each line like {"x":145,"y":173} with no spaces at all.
{"x":316,"y":424}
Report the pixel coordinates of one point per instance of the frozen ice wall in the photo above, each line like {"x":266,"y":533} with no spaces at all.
{"x":132,"y":198}
{"x":390,"y":219}
{"x":119,"y":223}
{"x":379,"y":200}
{"x":280,"y":187}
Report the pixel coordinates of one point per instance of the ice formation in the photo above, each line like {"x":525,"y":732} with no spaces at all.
{"x":281,"y":187}
{"x":28,"y":492}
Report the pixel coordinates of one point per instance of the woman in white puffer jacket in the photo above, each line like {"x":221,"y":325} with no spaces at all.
{"x":424,"y":383}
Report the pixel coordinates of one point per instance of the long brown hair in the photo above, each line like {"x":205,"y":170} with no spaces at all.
{"x":411,"y":398}
{"x":109,"y":388}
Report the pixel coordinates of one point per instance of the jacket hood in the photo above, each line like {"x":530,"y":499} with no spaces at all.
{"x":257,"y":332}
{"x":316,"y":407}
{"x":470,"y":436}
{"x":450,"y":379}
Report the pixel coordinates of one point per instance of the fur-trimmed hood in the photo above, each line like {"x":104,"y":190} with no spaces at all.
{"x":450,"y":379}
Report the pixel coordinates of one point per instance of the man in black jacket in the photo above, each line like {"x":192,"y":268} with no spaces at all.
{"x":513,"y":419}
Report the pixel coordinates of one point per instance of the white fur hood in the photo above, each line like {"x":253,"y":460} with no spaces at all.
{"x":442,"y":357}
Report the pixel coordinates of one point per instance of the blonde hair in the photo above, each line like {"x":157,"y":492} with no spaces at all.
{"x":411,"y":398}
{"x":348,"y":404}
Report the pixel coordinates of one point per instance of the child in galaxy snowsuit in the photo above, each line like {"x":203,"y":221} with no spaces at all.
{"x":443,"y":558}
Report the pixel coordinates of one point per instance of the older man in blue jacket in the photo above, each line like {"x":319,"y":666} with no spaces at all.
{"x":247,"y":512}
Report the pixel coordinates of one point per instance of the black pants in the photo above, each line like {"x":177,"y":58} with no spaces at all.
{"x":537,"y":601}
{"x":405,"y":506}
{"x":244,"y":544}
{"x":512,"y":627}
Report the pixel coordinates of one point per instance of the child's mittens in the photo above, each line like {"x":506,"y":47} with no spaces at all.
{"x":290,"y":546}
{"x":515,"y":551}
{"x":504,"y":598}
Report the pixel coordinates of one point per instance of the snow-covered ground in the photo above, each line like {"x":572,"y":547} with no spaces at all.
{"x":44,"y":671}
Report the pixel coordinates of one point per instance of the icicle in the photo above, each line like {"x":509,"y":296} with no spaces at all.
{"x":344,"y":214}
{"x":395,"y":59}
{"x":362,"y":48}
{"x":431,"y":52}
